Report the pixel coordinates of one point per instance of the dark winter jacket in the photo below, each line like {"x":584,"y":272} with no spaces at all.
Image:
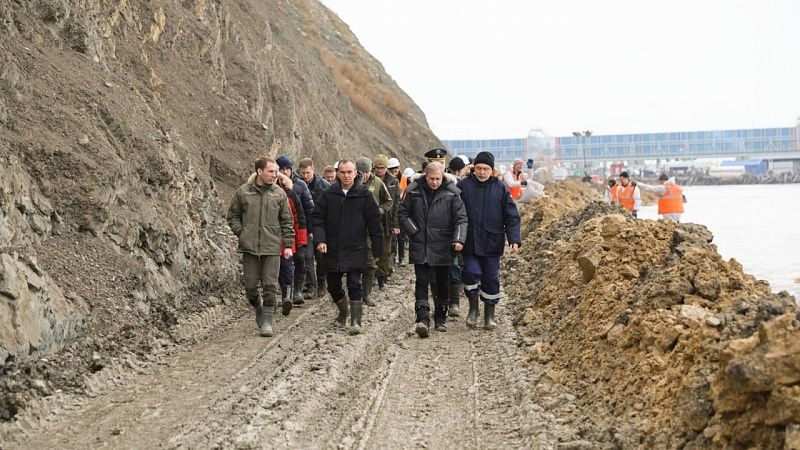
{"x":493,"y":216}
{"x":304,"y":193}
{"x":344,"y":222}
{"x":260,"y":216}
{"x":439,"y":218}
{"x":299,"y":216}
{"x":317,"y":186}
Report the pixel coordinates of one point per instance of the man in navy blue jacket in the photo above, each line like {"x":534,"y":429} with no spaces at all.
{"x":493,"y":219}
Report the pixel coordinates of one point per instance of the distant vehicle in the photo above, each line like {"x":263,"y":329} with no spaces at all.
{"x":727,"y":171}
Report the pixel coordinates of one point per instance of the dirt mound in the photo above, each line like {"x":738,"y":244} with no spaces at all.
{"x":560,"y":198}
{"x":124,"y":129}
{"x":665,"y":344}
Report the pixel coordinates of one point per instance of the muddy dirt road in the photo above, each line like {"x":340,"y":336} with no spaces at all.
{"x":313,"y":386}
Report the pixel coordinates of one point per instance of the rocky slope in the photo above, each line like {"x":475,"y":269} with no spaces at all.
{"x":124,"y":128}
{"x":664,"y":343}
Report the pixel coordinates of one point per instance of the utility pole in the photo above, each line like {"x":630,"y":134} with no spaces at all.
{"x":583,"y":135}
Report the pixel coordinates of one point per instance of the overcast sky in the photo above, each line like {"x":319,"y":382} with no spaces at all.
{"x":481,"y":71}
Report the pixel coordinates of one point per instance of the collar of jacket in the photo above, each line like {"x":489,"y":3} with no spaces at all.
{"x":414,"y":180}
{"x":252,"y":182}
{"x":491,"y":180}
{"x":285,"y":181}
{"x":358,"y":188}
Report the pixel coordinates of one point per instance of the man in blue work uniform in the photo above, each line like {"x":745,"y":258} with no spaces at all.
{"x":493,"y":219}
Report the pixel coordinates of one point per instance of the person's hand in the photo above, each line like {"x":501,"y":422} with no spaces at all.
{"x":513,"y":248}
{"x":458,"y":246}
{"x":396,"y":231}
{"x":310,"y":236}
{"x":322,"y":247}
{"x":377,"y":259}
{"x":287,"y":253}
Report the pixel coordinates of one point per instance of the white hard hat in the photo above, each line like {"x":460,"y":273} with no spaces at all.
{"x":336,"y":165}
{"x":393,"y":162}
{"x":408,"y":171}
{"x":464,"y":158}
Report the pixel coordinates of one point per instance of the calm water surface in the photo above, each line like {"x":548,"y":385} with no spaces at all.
{"x":759,"y":225}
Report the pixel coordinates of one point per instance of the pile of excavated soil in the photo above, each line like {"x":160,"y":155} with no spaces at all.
{"x":664,"y":343}
{"x":569,"y":195}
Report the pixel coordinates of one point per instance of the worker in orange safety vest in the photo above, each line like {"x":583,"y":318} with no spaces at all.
{"x":611,"y":193}
{"x":628,"y":194}
{"x":515,"y":179}
{"x":670,"y":197}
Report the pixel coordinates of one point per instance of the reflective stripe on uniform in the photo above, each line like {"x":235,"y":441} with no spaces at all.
{"x":489,"y":296}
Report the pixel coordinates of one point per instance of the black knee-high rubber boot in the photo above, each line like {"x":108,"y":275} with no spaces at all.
{"x":423,"y":318}
{"x":356,"y":308}
{"x":472,"y":316}
{"x":344,"y":311}
{"x":454,"y":292}
{"x":286,"y":300}
{"x":268,"y":313}
{"x":488,"y":317}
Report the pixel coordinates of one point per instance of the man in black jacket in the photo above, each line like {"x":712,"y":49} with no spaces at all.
{"x":315,"y":279}
{"x":343,"y":219}
{"x":432,"y":214}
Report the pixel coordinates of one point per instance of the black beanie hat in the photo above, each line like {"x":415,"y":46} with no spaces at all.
{"x":456,"y":164}
{"x":284,"y":162}
{"x":484,"y":158}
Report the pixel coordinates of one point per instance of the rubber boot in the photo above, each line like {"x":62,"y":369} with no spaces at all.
{"x":381,"y":281}
{"x":454,"y":292}
{"x":423,"y":319}
{"x":344,"y":311}
{"x":440,"y":315}
{"x":286,"y":301}
{"x":472,"y":316}
{"x":488,"y":317}
{"x":355,"y":317}
{"x":297,"y":296}
{"x":369,"y":280}
{"x":259,"y":307}
{"x":268,"y":311}
{"x":323,"y":288}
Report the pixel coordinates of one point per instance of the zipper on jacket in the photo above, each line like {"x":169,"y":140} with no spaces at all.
{"x":260,"y":215}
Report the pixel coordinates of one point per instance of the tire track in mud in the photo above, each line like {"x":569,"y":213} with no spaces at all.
{"x":172,"y":395}
{"x":314,"y":386}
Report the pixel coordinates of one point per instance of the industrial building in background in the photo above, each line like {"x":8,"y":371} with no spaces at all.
{"x":729,"y":152}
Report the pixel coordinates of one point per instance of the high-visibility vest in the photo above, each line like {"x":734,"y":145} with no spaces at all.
{"x":403,"y":182}
{"x":614,"y":193}
{"x":516,"y":192}
{"x":625,"y":196}
{"x":672,"y":201}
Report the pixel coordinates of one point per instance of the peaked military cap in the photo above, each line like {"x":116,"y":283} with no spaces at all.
{"x":436,"y":154}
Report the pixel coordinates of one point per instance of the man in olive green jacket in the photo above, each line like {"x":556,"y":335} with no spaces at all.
{"x":384,"y":200}
{"x":260,"y":216}
{"x":390,"y":221}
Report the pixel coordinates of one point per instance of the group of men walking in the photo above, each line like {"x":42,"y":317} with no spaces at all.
{"x":302,"y":234}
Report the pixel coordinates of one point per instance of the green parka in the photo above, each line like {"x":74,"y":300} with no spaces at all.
{"x":383,"y":198}
{"x":260,"y":216}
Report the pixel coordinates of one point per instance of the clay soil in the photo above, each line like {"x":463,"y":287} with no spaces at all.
{"x":313,"y":386}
